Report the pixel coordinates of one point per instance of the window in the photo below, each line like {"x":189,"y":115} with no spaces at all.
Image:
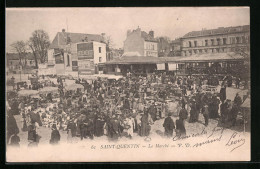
{"x":212,"y":42}
{"x":68,"y":60}
{"x":206,"y":43}
{"x":189,"y":43}
{"x":11,"y":63}
{"x":238,"y":39}
{"x":218,"y":41}
{"x":74,"y":63}
{"x":224,"y":41}
{"x":59,"y":59}
{"x":99,"y":49}
{"x":100,"y":59}
{"x":30,"y":62}
{"x":243,"y":39}
{"x":195,"y":43}
{"x":233,"y":40}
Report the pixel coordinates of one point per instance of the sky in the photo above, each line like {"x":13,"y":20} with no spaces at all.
{"x":173,"y":22}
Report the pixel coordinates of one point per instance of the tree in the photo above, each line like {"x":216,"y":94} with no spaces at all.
{"x":30,"y":44}
{"x":20,"y":48}
{"x":39,"y":43}
{"x":109,"y":42}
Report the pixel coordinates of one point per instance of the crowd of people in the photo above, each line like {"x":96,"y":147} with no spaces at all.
{"x":120,"y":108}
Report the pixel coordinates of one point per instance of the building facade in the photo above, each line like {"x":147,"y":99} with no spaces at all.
{"x":14,"y":63}
{"x":74,"y":53}
{"x":164,"y":47}
{"x":175,"y":48}
{"x":143,"y":43}
{"x":220,"y":40}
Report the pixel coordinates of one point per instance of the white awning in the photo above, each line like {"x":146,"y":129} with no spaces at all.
{"x":172,"y":66}
{"x":160,"y":66}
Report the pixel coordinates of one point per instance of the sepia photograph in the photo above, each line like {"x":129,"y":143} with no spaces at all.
{"x":127,"y":84}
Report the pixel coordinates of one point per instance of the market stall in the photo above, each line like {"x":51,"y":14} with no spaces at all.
{"x":48,"y":90}
{"x":74,"y":87}
{"x":27,"y":92}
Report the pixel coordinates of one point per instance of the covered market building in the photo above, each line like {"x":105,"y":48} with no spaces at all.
{"x":215,"y":63}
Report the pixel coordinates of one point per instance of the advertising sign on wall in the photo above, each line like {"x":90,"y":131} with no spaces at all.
{"x":85,"y":51}
{"x":86,"y":66}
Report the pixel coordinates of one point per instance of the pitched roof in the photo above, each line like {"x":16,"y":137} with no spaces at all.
{"x":147,"y":37}
{"x":62,"y":38}
{"x":217,"y":31}
{"x":131,"y":54}
{"x":15,"y":56}
{"x":213,"y":57}
{"x":205,"y":57}
{"x":135,"y":60}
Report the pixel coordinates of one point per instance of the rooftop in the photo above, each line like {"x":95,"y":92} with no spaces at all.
{"x":15,"y":56}
{"x":220,"y":30}
{"x":63,"y":38}
{"x":147,"y":37}
{"x":179,"y":59}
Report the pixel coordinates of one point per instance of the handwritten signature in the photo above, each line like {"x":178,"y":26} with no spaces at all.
{"x":235,"y":140}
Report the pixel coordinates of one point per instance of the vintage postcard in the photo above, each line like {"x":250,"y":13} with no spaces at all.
{"x":150,"y":84}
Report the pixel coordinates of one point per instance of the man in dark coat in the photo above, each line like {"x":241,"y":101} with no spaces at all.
{"x":12,"y":127}
{"x":168,"y":126}
{"x":193,"y":112}
{"x":183,"y":103}
{"x":14,"y":107}
{"x":180,"y":128}
{"x":233,"y":114}
{"x":15,"y":140}
{"x":213,"y":107}
{"x":82,"y":128}
{"x":115,"y":128}
{"x":49,"y":97}
{"x":238,"y":100}
{"x":183,"y":114}
{"x":89,"y":127}
{"x":205,"y":112}
{"x":55,"y":135}
{"x":153,"y":111}
{"x":32,"y":135}
{"x":222,"y":93}
{"x":72,"y":126}
{"x":99,"y":126}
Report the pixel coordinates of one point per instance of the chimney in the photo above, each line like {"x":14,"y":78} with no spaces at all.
{"x":86,"y":39}
{"x":138,"y":30}
{"x":151,"y":33}
{"x":128,"y":32}
{"x":63,"y":30}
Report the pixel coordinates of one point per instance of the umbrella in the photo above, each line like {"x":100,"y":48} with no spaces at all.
{"x":36,"y":96}
{"x":49,"y":89}
{"x":74,"y":87}
{"x":27,"y":92}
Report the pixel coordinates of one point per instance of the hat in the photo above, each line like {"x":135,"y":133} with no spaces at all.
{"x":53,"y":127}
